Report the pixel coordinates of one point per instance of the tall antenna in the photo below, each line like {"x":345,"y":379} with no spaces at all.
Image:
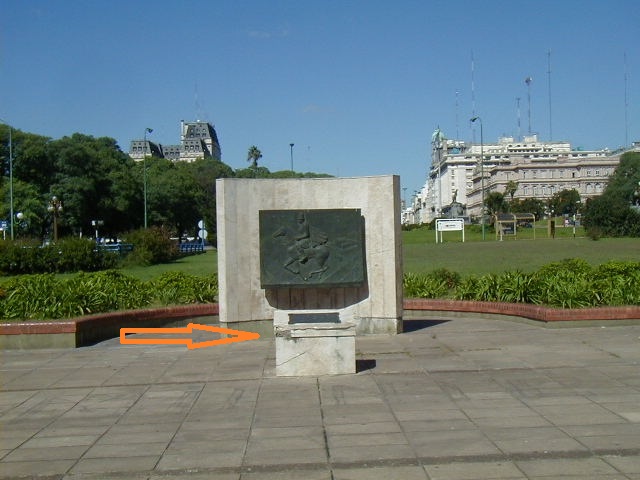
{"x":457,"y":130}
{"x":197,"y":103}
{"x":473,"y":98}
{"x":549,"y":73}
{"x":528,"y":81}
{"x":518,"y":111}
{"x":626,"y":105}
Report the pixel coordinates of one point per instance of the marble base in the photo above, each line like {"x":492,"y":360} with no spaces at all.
{"x":312,"y":349}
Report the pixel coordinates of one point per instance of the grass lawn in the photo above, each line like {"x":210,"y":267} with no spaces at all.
{"x":201,"y":264}
{"x":524,"y":255}
{"x":421,"y":254}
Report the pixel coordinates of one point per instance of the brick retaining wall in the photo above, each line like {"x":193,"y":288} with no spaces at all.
{"x":93,"y":328}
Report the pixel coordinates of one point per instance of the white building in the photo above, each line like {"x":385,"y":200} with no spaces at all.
{"x":540,"y":169}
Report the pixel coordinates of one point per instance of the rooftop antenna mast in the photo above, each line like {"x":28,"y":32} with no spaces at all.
{"x":473,"y":99}
{"x":518,"y":111}
{"x":457,"y":130}
{"x":197,"y":103}
{"x":549,"y":74}
{"x":528,"y":81}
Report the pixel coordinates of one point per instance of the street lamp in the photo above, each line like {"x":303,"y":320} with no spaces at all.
{"x":10,"y":178}
{"x":481,"y":172}
{"x":291,"y":145}
{"x":144,"y":173}
{"x":55,"y":207}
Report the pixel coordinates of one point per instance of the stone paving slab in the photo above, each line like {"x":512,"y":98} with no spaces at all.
{"x":459,"y":399}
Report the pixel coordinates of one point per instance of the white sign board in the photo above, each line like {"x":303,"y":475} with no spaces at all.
{"x":449,"y":225}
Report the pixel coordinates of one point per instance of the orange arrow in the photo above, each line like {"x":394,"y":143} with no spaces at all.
{"x":236,"y":336}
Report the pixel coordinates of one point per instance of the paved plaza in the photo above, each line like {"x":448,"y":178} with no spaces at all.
{"x":460,"y":399}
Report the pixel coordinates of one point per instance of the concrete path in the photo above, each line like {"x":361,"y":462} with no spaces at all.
{"x":464,"y":399}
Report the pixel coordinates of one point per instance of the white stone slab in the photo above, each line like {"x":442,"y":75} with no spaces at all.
{"x":313,"y":349}
{"x":376,"y":306}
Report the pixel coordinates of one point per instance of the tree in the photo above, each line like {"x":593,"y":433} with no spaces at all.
{"x":83,"y":178}
{"x":32,"y":159}
{"x":173,"y":195}
{"x":30,"y":204}
{"x":611,"y":213}
{"x":206,"y":171}
{"x":253,"y":155}
{"x":528,"y":205}
{"x":495,"y":203}
{"x":511,"y":188}
{"x":611,"y":216}
{"x":624,"y":181}
{"x":565,"y":202}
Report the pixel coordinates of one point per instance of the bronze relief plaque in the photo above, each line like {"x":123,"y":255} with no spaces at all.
{"x":312,"y":248}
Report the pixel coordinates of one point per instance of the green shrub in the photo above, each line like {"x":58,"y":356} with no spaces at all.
{"x":618,"y":283}
{"x":571,"y":283}
{"x":151,"y":246}
{"x":181,"y":288}
{"x":594,"y":232}
{"x":436,"y":284}
{"x":424,"y":286}
{"x":467,"y":288}
{"x":107,"y":291}
{"x":565,"y":289}
{"x":78,"y":254}
{"x":615,"y":268}
{"x":451,"y":279}
{"x":67,"y":255}
{"x":515,"y":287}
{"x":576,"y":266}
{"x":44,"y":296}
{"x":28,"y":296}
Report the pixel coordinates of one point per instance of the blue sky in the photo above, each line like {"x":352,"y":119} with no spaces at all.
{"x":358,"y":86}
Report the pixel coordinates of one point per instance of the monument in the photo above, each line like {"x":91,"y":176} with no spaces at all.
{"x":311,"y":248}
{"x":312,"y":262}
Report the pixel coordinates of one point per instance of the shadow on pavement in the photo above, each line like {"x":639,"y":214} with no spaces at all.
{"x":414,"y":325}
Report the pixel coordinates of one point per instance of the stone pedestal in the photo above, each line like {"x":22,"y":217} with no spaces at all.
{"x":313,"y":349}
{"x":373,"y":303}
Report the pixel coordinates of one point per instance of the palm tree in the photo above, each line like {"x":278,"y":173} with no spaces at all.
{"x":253,"y":155}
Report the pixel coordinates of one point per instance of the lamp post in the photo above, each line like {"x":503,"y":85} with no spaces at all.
{"x":481,"y":172}
{"x":20,"y":218}
{"x":10,"y":178}
{"x":55,"y":207}
{"x":291,"y":145}
{"x":144,"y":173}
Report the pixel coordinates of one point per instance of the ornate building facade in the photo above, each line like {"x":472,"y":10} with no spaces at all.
{"x":539,"y":169}
{"x":197,"y":140}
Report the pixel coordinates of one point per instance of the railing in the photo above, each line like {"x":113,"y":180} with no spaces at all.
{"x":191,"y":247}
{"x":120,"y":248}
{"x":124,"y":248}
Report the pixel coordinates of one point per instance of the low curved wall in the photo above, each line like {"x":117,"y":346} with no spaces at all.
{"x":89,"y":329}
{"x":525,"y":310}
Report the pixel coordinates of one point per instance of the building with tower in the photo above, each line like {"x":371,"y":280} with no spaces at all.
{"x":197,"y":140}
